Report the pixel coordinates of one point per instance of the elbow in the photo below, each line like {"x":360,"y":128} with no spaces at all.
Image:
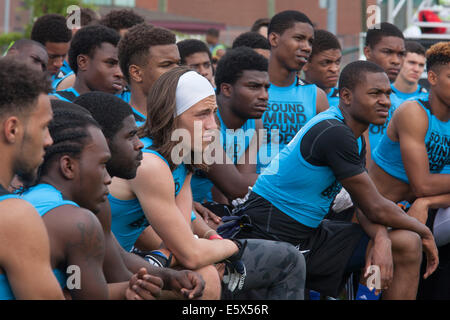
{"x":421,"y":190}
{"x":237,"y":192}
{"x":191,"y":260}
{"x":378,"y":213}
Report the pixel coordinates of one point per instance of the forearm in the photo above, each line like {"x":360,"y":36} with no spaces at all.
{"x":431,"y":185}
{"x":373,"y":230}
{"x":436,"y":202}
{"x":390,"y":215}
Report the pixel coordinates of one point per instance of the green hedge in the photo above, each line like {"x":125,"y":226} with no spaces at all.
{"x":7,"y":38}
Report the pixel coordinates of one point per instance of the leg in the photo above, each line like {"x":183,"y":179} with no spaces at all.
{"x":275,"y":271}
{"x":441,"y":227}
{"x":407,"y":256}
{"x":213,"y":283}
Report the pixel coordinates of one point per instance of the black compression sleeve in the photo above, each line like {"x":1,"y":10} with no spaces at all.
{"x":331,"y":143}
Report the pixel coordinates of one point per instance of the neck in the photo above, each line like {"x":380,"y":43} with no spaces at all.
{"x":58,"y":183}
{"x":405,"y":86}
{"x":231,"y":120}
{"x":138,"y":99}
{"x":80,"y":85}
{"x":280,"y":75}
{"x":7,"y":167}
{"x":356,"y":126}
{"x":6,"y":174}
{"x":439,"y":108}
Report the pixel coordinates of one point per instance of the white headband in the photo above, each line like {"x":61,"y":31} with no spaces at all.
{"x":192,"y":88}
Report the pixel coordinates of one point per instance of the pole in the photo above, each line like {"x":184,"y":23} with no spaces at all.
{"x":332,"y":16}
{"x":6,"y":22}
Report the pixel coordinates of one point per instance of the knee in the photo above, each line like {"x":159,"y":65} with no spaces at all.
{"x":407,"y":245}
{"x":213,"y":284}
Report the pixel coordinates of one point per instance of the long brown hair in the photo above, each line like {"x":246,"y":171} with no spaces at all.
{"x":161,"y":107}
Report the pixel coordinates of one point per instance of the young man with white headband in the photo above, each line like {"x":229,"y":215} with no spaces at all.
{"x":181,"y":101}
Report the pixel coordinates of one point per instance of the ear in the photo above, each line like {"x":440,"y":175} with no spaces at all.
{"x":274,"y":39}
{"x":83,"y":62}
{"x":135,"y":73}
{"x":346,"y":96}
{"x":226,"y":89}
{"x":12,"y":129}
{"x":432,"y":78}
{"x":367,"y":52}
{"x":68,"y":167}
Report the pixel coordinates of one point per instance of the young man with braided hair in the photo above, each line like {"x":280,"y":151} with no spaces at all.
{"x":71,"y":186}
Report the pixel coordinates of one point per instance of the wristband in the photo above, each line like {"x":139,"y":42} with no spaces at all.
{"x":215,"y":236}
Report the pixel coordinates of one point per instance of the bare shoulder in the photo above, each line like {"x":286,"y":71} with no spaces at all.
{"x":153,"y":171}
{"x":410,"y":114}
{"x":18,"y":218}
{"x":322,"y":101}
{"x":71,"y":221}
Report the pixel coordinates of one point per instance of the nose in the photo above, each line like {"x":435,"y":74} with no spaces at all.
{"x":58,"y":62}
{"x":118,"y":72}
{"x":385,"y":100}
{"x":107,"y":180}
{"x":48,"y":140}
{"x":138,"y":145}
{"x":263,"y":94}
{"x":211,"y":123}
{"x":334,"y":68}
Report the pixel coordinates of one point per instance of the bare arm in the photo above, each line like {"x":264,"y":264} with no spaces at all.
{"x":24,"y":257}
{"x":84,"y":245}
{"x":410,"y":122}
{"x":419,"y":208}
{"x":378,"y":209}
{"x":154,"y":188}
{"x":322,"y":101}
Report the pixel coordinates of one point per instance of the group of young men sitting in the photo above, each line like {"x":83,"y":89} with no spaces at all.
{"x":150,"y":175}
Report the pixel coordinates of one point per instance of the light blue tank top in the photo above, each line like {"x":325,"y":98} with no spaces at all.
{"x":333,"y":97}
{"x":235,"y":143}
{"x":289,"y":109}
{"x":127,"y":217}
{"x":397,"y":98}
{"x":68,"y":95}
{"x":299,"y":189}
{"x":388,"y":157}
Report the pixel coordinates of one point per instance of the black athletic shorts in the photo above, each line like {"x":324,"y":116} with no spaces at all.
{"x":332,"y":251}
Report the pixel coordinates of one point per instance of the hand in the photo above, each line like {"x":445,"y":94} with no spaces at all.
{"x":431,"y":252}
{"x":380,"y":254}
{"x":419,"y":210}
{"x":235,"y":271}
{"x":206,"y":214}
{"x":189,"y":284}
{"x":143,"y":286}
